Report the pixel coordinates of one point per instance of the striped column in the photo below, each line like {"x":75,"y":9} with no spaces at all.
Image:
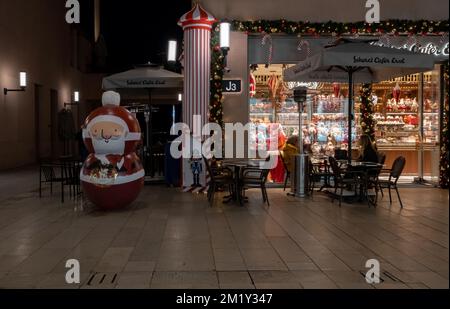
{"x":197,"y":25}
{"x":197,"y":74}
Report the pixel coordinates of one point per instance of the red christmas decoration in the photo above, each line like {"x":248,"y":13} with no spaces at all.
{"x":396,"y":92}
{"x":252,"y":83}
{"x":336,"y":90}
{"x":112,"y":176}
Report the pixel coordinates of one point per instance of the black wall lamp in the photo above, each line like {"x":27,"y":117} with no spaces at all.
{"x":225,"y":27}
{"x":22,"y":84}
{"x":76,"y":99}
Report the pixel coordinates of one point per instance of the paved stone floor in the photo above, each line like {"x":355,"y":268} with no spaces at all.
{"x":169,"y":239}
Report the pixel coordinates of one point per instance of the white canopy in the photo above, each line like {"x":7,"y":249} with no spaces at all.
{"x":373,"y":63}
{"x":143,"y":77}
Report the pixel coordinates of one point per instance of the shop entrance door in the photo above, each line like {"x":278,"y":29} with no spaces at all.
{"x":42,"y":128}
{"x":429,"y":149}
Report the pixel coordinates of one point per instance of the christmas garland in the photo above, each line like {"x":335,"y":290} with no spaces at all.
{"x":367,"y":121}
{"x":217,"y":71}
{"x":395,"y":27}
{"x":444,"y":164}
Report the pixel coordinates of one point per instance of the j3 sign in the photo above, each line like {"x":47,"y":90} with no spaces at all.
{"x":232,"y":86}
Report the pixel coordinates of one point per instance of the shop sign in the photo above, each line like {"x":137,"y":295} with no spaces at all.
{"x":146,"y":82}
{"x":232,"y":86}
{"x":312,"y":85}
{"x":430,"y":48}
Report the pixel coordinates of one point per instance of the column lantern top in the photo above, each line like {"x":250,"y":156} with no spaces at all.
{"x":197,"y":18}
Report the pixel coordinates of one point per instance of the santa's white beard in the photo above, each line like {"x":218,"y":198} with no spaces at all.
{"x":111,"y":147}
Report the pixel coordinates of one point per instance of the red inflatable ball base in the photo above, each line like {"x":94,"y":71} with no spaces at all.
{"x":113,"y":197}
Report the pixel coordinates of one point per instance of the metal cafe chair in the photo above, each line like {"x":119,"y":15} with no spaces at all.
{"x":370,"y":182}
{"x":394,"y":175}
{"x":220,"y":177}
{"x":252,"y":177}
{"x":72,"y":169}
{"x":317,"y":172}
{"x":342,"y":180}
{"x":47,"y":175}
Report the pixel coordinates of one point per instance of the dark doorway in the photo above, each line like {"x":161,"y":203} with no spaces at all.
{"x":42,"y":124}
{"x":54,"y":122}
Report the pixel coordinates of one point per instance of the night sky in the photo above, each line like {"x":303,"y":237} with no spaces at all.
{"x":137,"y":31}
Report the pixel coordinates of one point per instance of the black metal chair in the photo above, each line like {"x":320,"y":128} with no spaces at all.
{"x":340,"y":154}
{"x":381,"y":158}
{"x":47,"y":175}
{"x":394,"y":175}
{"x":317,"y":172}
{"x":314,"y":176}
{"x":343,"y":179}
{"x":220,"y":177}
{"x":71,"y":172}
{"x":252,"y":177}
{"x":371,"y":181}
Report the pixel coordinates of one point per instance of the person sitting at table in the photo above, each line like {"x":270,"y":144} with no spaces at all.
{"x":289,"y":151}
{"x":367,"y":149}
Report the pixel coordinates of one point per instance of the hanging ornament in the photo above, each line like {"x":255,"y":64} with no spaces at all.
{"x":252,"y":83}
{"x":336,"y":90}
{"x":444,"y":38}
{"x":411,"y":41}
{"x":385,"y":40}
{"x":304,"y":46}
{"x":267,"y":40}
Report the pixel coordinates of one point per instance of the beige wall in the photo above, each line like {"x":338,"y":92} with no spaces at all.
{"x":33,"y":37}
{"x":235,"y":106}
{"x":324,"y":10}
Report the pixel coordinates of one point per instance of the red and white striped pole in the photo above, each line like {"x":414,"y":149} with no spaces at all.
{"x":197,"y":25}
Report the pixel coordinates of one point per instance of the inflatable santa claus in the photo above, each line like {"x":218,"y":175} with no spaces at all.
{"x":112,"y":176}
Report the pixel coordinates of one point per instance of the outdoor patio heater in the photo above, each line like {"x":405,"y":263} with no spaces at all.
{"x":302,"y":159}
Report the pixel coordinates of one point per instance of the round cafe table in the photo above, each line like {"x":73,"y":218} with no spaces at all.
{"x":364,"y":169}
{"x":237,"y":165}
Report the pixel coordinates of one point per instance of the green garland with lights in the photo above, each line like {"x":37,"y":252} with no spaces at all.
{"x":367,"y":120}
{"x":444,"y":164}
{"x":217,"y":72}
{"x":395,"y":27}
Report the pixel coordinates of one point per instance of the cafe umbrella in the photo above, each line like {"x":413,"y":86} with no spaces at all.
{"x":146,"y":77}
{"x":357,"y":61}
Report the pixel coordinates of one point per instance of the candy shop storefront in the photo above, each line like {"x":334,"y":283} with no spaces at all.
{"x":406,"y":116}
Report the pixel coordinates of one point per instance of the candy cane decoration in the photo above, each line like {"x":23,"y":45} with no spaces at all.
{"x":385,"y":40}
{"x":267,"y":39}
{"x":411,"y":40}
{"x":444,"y":38}
{"x":273,"y":82}
{"x":304,"y":44}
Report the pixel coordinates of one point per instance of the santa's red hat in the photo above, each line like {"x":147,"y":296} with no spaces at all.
{"x":111,"y":111}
